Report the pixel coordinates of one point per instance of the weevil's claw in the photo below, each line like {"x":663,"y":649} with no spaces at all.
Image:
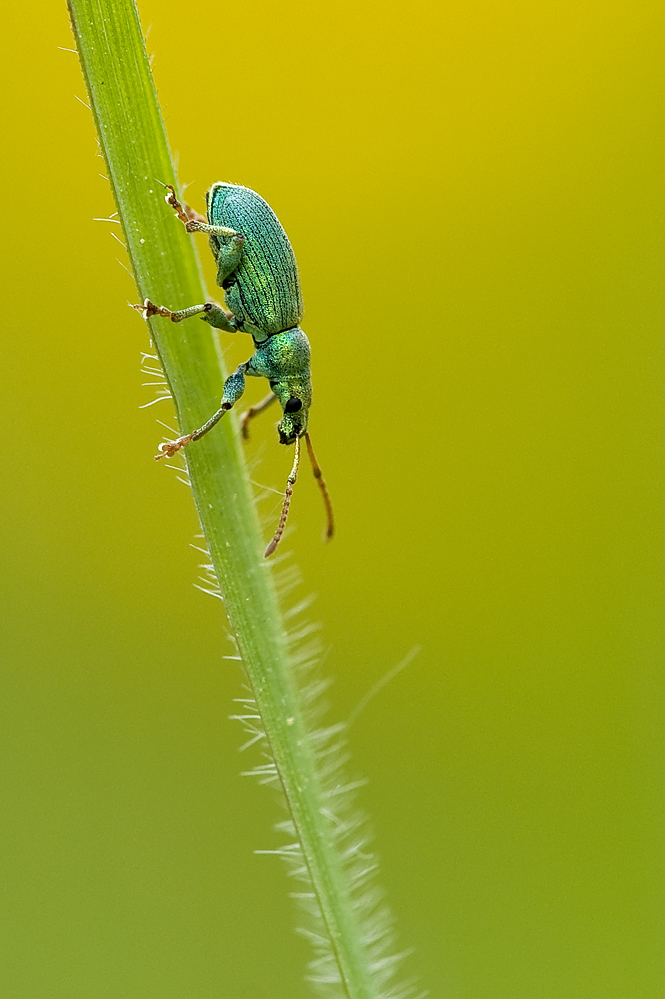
{"x":141,"y":308}
{"x":169,"y":448}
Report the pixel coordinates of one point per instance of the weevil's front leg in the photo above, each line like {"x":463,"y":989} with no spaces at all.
{"x":234,"y":386}
{"x":253,"y":411}
{"x":212,"y":313}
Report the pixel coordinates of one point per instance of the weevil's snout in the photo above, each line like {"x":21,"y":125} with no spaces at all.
{"x":286,"y":437}
{"x":294,"y":421}
{"x":289,"y":429}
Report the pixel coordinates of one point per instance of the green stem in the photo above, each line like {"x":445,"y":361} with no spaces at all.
{"x":131,"y":131}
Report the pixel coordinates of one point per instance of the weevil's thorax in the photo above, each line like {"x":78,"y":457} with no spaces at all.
{"x":264,"y":292}
{"x":284,"y":360}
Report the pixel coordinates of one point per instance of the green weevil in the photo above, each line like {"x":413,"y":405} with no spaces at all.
{"x":256,"y":268}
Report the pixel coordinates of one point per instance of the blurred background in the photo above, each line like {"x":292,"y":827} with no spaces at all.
{"x":475,"y":195}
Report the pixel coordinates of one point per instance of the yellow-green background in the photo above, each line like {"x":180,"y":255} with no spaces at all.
{"x":475,"y":195}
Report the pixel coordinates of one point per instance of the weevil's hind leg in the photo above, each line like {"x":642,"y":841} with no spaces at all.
{"x":193,"y":222}
{"x":185,"y":213}
{"x":193,"y":215}
{"x":234,"y":386}
{"x":330,"y":530}
{"x":173,"y":203}
{"x":253,"y":411}
{"x":212,"y":314}
{"x":290,"y":483}
{"x":228,"y":255}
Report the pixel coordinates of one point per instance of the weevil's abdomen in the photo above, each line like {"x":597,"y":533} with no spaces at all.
{"x":264,"y":291}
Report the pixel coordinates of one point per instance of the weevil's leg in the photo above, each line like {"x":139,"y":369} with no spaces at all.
{"x":253,"y":411}
{"x":234,"y":386}
{"x":219,"y":318}
{"x":193,"y":222}
{"x":213,"y":314}
{"x":193,"y":215}
{"x":184,"y":212}
{"x":290,"y":482}
{"x":228,"y":255}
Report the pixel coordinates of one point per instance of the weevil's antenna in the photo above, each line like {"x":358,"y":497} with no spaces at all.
{"x":330,"y":530}
{"x":290,"y":483}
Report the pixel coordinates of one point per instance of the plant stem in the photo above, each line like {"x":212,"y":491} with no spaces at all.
{"x":131,"y":131}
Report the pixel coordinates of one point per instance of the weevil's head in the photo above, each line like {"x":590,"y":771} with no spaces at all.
{"x":294,"y":420}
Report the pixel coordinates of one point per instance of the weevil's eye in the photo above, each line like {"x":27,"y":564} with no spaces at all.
{"x":293,"y":405}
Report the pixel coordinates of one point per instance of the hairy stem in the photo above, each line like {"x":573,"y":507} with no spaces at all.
{"x":131,"y":132}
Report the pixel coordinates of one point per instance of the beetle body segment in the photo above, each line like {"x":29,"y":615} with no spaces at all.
{"x":284,"y":360}
{"x":263,"y":292}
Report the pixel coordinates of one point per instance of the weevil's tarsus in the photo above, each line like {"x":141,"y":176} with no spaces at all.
{"x":185,"y":212}
{"x":290,"y":482}
{"x":330,"y":529}
{"x":253,"y":411}
{"x":169,"y":448}
{"x":149,"y":309}
{"x":213,"y":314}
{"x":173,"y":203}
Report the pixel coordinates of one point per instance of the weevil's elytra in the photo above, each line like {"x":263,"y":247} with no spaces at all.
{"x":256,"y":268}
{"x":266,"y":293}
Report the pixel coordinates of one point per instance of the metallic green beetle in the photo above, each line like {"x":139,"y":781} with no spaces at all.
{"x":257,"y":269}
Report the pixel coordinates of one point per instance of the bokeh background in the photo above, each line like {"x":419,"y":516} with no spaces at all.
{"x":475,"y":195}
